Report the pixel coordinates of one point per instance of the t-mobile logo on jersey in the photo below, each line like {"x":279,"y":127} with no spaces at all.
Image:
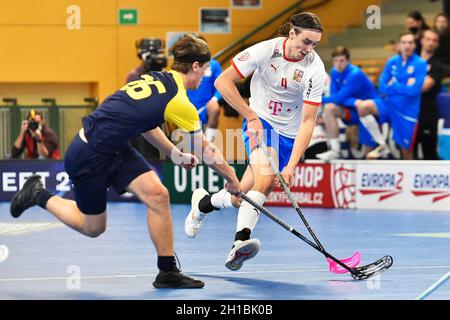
{"x":275,"y":107}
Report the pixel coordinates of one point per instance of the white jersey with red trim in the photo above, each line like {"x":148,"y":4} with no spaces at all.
{"x":279,"y":85}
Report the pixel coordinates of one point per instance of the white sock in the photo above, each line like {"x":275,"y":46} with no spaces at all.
{"x":372,"y":126}
{"x":211,"y":134}
{"x":248,"y":215}
{"x":335,"y":145}
{"x":221,"y":199}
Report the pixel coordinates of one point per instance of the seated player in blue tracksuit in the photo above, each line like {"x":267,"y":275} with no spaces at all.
{"x":400,"y":87}
{"x":348,"y":84}
{"x":206,"y":98}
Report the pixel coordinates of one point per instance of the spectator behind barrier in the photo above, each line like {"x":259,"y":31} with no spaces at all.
{"x":415,"y":23}
{"x":37,"y":137}
{"x":440,"y":24}
{"x":428,"y":116}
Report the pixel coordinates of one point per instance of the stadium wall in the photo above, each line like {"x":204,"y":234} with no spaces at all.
{"x":38,"y":47}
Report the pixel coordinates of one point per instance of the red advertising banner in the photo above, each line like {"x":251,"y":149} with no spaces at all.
{"x":319,"y":185}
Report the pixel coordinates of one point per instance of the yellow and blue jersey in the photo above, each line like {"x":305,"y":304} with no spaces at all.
{"x":140,"y":106}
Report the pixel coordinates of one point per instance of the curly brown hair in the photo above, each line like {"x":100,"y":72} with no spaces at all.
{"x":304,"y":20}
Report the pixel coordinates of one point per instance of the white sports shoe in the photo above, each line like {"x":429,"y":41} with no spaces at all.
{"x":241,"y":251}
{"x":193,"y":221}
{"x":329,"y":155}
{"x":379,"y":152}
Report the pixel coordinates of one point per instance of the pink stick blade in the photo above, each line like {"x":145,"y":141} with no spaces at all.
{"x":352,"y":262}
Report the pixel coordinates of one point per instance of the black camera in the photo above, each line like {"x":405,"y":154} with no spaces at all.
{"x":151,"y":51}
{"x":33,"y":125}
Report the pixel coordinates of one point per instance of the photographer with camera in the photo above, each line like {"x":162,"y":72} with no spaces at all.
{"x":37,"y":137}
{"x":151,"y":52}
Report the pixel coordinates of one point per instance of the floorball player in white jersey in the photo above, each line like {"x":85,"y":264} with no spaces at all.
{"x":286,"y":92}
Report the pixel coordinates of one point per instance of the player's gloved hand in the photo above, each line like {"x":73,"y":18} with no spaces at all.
{"x":185,"y":160}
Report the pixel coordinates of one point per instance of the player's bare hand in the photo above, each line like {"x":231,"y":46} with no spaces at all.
{"x":188,"y":161}
{"x":233,"y":187}
{"x":236,"y":201}
{"x":288,"y":176}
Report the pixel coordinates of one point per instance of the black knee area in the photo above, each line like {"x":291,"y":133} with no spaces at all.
{"x":243,"y":235}
{"x":205,"y":205}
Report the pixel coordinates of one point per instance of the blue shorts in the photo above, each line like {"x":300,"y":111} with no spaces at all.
{"x":92,"y":173}
{"x":403,"y":127}
{"x":383,"y":110}
{"x":352,"y":118}
{"x":282,"y":145}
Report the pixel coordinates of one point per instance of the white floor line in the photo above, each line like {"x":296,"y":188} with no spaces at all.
{"x":434,"y":286}
{"x":204,"y":273}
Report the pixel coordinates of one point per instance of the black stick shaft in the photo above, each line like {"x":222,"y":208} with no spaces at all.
{"x":293,"y":231}
{"x":289,"y":194}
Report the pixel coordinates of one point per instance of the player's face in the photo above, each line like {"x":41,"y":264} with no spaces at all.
{"x":302,"y":43}
{"x":430,"y":41}
{"x":340,"y":63}
{"x":407,"y":45}
{"x":198,"y":74}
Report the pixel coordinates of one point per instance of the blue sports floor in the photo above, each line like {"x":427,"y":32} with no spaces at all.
{"x":46,"y":257}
